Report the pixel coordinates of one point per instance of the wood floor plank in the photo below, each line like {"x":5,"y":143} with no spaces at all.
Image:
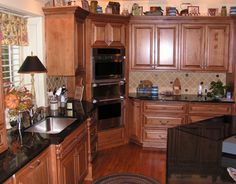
{"x":132,"y":159}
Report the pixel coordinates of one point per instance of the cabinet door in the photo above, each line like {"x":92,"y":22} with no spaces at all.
{"x":82,"y":159}
{"x":166,"y":47}
{"x":99,"y":34}
{"x":217,"y":47}
{"x":135,"y":122}
{"x":192,"y":47}
{"x":142,"y":46}
{"x":60,"y":44}
{"x":116,"y":35}
{"x":37,"y":171}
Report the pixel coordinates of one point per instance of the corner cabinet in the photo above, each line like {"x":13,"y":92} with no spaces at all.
{"x":63,"y":30}
{"x":154,"y":46}
{"x":207,"y":44}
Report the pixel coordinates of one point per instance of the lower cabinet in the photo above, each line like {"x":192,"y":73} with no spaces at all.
{"x":150,"y":120}
{"x":37,"y":171}
{"x":71,"y":157}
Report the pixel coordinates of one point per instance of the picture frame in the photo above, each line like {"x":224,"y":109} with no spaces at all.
{"x":212,"y":11}
{"x":193,"y":10}
{"x":85,"y":4}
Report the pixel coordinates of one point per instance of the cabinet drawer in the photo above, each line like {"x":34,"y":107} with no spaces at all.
{"x":221,"y":109}
{"x":151,"y":120}
{"x":153,"y":135}
{"x":164,"y":107}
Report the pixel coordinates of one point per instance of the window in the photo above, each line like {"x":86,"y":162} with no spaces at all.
{"x":10,"y":65}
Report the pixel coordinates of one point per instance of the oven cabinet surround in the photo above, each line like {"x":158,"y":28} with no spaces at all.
{"x":149,"y":120}
{"x":181,"y":43}
{"x":63,"y":39}
{"x":70,"y":158}
{"x":105,"y":31}
{"x":38,"y":171}
{"x":108,"y":34}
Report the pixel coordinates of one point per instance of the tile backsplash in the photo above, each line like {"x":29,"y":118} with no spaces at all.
{"x":164,"y":80}
{"x":55,"y":82}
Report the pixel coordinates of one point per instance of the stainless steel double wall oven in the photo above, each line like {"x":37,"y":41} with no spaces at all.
{"x":108,"y":87}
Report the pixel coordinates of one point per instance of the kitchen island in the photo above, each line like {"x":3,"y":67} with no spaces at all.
{"x":194,"y":152}
{"x":25,"y":146}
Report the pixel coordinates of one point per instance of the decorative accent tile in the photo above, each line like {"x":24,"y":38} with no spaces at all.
{"x":55,"y":82}
{"x":164,"y":80}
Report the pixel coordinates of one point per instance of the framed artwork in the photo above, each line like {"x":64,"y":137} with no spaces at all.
{"x":85,"y":4}
{"x":193,"y":10}
{"x":212,"y":11}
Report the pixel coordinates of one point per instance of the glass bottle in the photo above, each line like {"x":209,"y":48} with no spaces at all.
{"x":223,"y":11}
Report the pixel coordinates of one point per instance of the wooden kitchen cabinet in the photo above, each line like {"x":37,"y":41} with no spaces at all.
{"x":135,"y":122}
{"x":38,"y":171}
{"x":108,"y":34}
{"x":71,"y":157}
{"x":154,"y":46}
{"x":208,"y":44}
{"x":202,"y":111}
{"x":63,"y":39}
{"x":157,"y":118}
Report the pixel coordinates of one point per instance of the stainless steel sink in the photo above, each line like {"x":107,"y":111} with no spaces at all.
{"x":51,"y":125}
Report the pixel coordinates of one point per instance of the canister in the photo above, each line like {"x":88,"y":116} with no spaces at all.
{"x":93,"y":6}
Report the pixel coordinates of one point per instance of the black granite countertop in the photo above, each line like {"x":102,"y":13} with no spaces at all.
{"x":25,"y":146}
{"x":194,"y":152}
{"x":180,"y":98}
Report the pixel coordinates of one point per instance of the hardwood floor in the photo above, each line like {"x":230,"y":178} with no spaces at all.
{"x":133,"y":159}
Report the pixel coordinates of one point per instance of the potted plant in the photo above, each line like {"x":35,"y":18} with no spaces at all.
{"x":217,"y":89}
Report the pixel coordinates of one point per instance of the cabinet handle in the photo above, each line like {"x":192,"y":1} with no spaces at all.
{"x":164,"y":122}
{"x":36,"y":164}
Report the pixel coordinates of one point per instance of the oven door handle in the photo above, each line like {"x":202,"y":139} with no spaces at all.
{"x":107,"y":100}
{"x":122,"y":82}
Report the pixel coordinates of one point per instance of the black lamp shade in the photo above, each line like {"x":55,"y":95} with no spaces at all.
{"x":32,"y":64}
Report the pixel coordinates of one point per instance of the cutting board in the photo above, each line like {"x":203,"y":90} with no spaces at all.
{"x":177,"y":87}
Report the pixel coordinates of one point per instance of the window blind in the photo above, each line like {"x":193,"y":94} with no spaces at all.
{"x":10,"y":65}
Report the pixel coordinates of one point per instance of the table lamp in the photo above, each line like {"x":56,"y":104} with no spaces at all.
{"x":32,"y":65}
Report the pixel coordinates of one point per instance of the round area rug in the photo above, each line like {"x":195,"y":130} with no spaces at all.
{"x":125,"y":178}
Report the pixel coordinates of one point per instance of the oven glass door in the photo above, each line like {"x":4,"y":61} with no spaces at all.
{"x":108,"y":70}
{"x":110,"y":114}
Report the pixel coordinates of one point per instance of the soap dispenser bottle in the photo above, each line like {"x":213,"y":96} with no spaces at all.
{"x":200,"y":88}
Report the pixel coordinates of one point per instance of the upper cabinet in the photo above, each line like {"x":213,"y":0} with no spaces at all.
{"x":154,"y":46}
{"x":64,"y":36}
{"x":108,"y":34}
{"x":181,"y":43}
{"x":205,"y":47}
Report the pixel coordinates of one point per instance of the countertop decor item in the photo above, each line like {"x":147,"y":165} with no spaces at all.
{"x":217,"y":89}
{"x":177,"y":87}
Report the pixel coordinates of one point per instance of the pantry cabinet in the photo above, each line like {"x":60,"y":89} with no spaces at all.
{"x":63,"y":39}
{"x":154,"y":46}
{"x":37,"y":171}
{"x":205,"y":47}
